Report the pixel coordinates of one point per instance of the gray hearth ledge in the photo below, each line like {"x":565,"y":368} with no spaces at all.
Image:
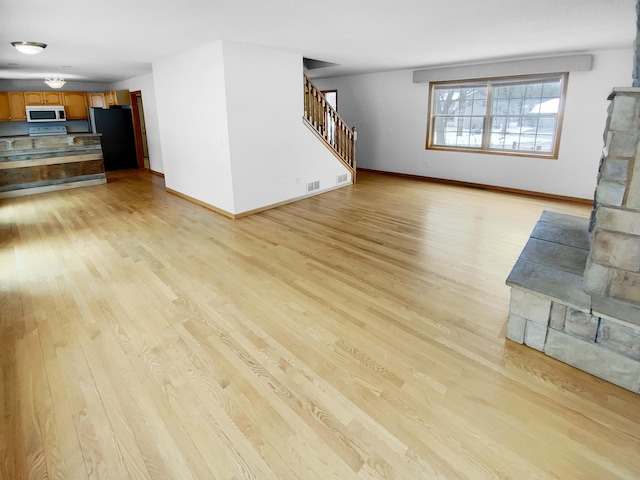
{"x":550,"y":312}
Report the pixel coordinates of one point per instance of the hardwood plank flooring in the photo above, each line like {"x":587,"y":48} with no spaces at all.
{"x":359,"y":334}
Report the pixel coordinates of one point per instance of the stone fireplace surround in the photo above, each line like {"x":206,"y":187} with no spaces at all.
{"x":575,"y":289}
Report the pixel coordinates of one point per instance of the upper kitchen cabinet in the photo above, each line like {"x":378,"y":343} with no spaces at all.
{"x":12,"y":107}
{"x":75,"y":105}
{"x":5,"y":114}
{"x":117,"y":97}
{"x":33,"y":98}
{"x":16,"y":106}
{"x":96,"y":99}
{"x":107,"y":99}
{"x":43,"y":98}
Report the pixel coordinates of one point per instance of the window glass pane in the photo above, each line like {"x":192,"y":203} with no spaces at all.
{"x":502,"y":133}
{"x":458,"y":131}
{"x":479,"y":107}
{"x":534,"y":90}
{"x":506,"y":133}
{"x":466,"y":107}
{"x":500,"y":106}
{"x":530,"y":134}
{"x":546,"y":106}
{"x":462,"y":133}
{"x":439,"y":135}
{"x":517,"y":91}
{"x":552,"y":89}
{"x":515,"y":106}
{"x":444,"y":99}
{"x":508,"y":106}
{"x":457,"y":100}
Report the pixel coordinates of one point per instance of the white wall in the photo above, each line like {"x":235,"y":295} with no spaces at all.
{"x":145,"y":85}
{"x":273,"y":155}
{"x":390,"y":113}
{"x":231,"y":131}
{"x":192,"y":119}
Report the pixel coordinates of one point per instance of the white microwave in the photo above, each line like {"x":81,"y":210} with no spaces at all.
{"x":45,"y":113}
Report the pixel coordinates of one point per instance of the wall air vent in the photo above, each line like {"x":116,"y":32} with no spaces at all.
{"x":313,"y":186}
{"x":342,"y":178}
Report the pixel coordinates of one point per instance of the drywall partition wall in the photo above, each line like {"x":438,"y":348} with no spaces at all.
{"x":273,"y":155}
{"x":230,"y":123}
{"x":192,"y":121}
{"x":390,"y":112}
{"x":145,"y":85}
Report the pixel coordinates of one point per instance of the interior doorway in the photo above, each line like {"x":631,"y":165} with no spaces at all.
{"x":140,"y":131}
{"x":332,"y":98}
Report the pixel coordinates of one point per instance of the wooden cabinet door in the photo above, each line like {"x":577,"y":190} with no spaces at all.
{"x":96,"y":100}
{"x":43,"y":98}
{"x":123,"y":97}
{"x":5,"y":113}
{"x":117,"y":97}
{"x":52,"y":98}
{"x":33,"y":98}
{"x":75,"y":105}
{"x":16,"y":106}
{"x":110,"y":98}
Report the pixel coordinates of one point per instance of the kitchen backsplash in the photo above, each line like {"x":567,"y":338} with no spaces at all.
{"x":12,"y":129}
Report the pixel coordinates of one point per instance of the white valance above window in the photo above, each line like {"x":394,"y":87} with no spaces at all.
{"x":506,"y":68}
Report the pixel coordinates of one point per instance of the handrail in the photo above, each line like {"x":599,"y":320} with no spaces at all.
{"x":329,"y":126}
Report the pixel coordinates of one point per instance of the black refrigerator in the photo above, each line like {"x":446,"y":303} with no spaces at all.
{"x":118,"y":141}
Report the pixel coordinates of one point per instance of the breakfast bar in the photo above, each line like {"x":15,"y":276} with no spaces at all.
{"x":38,"y":164}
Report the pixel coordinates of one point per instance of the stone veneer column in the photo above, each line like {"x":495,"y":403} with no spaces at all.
{"x":612,"y":272}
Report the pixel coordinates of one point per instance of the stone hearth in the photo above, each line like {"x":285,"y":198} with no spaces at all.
{"x":575,"y":290}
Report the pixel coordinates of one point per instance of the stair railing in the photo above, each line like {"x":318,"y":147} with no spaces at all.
{"x":322,"y":118}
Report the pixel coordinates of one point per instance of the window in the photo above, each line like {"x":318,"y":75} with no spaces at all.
{"x":515,"y":116}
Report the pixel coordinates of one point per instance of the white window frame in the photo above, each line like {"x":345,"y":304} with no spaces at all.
{"x":484,"y":142}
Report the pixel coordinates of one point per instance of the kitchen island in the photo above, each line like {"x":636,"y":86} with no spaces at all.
{"x":31,"y":164}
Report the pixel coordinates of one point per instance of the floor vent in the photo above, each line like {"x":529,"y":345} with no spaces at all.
{"x":342,"y":178}
{"x":313,"y":186}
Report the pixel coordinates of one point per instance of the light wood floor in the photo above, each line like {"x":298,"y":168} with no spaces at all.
{"x":358,"y":334}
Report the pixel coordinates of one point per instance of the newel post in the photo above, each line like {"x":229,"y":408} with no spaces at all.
{"x":636,"y":50}
{"x":353,"y":159}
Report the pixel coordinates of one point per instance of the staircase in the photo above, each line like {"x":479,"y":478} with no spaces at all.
{"x":325,"y":122}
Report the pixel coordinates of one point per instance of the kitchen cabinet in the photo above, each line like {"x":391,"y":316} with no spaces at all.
{"x":75,"y":105}
{"x":107,"y":99}
{"x":33,"y":98}
{"x":5,"y":114}
{"x":12,"y":107}
{"x":43,"y":98}
{"x":16,"y":106}
{"x":96,"y":99}
{"x":117,"y":97}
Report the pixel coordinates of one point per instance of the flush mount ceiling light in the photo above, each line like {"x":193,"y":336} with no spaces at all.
{"x":30,"y":48}
{"x":55,"y":81}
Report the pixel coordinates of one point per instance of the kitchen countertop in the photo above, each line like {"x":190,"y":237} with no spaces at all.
{"x":37,"y":145}
{"x":22,"y":137}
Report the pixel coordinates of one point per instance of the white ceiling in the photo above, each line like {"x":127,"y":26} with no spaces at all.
{"x":111,"y":40}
